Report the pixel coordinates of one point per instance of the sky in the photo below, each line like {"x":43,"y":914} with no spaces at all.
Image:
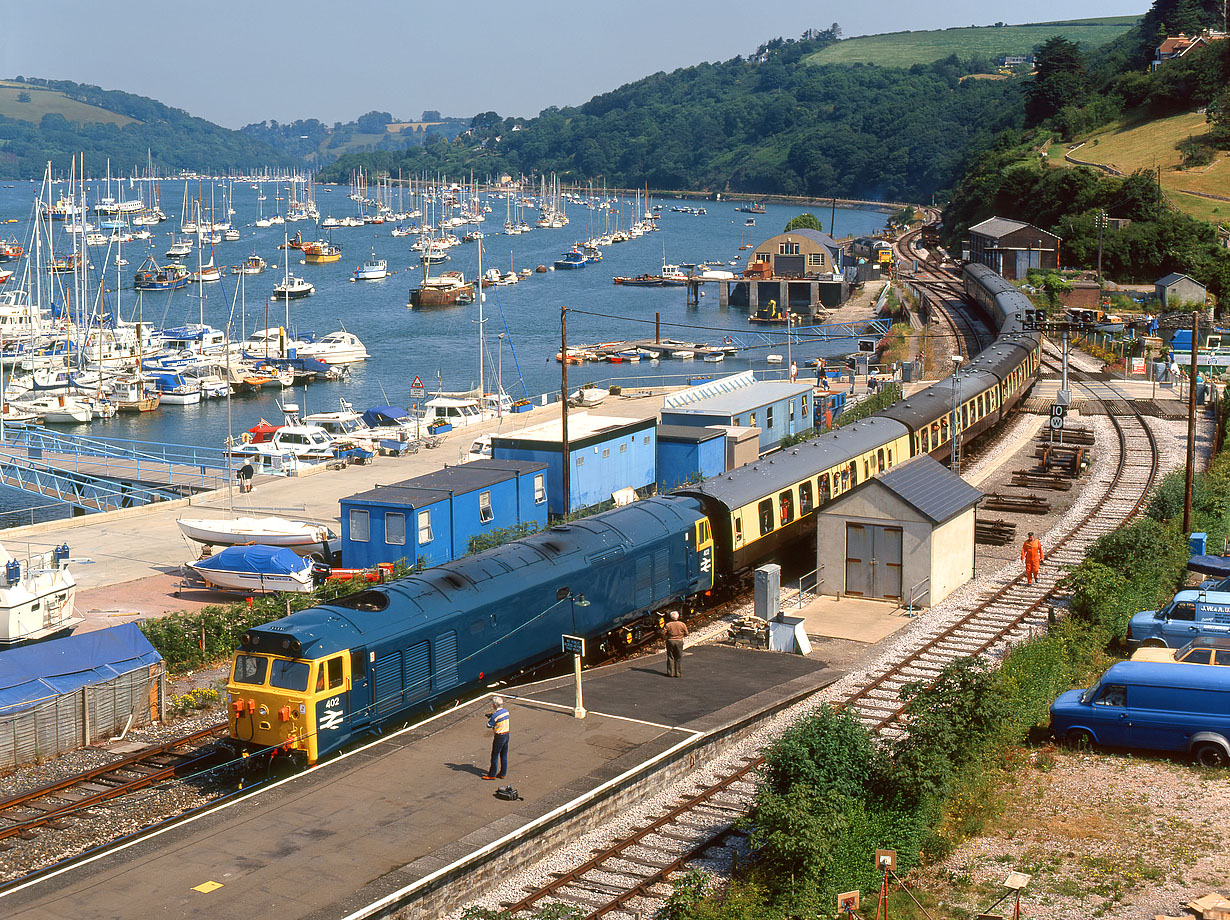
{"x":235,"y":62}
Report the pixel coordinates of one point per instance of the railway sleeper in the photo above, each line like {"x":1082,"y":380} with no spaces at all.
{"x":641,"y":861}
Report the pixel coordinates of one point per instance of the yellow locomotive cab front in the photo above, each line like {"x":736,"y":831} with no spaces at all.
{"x":270,"y":707}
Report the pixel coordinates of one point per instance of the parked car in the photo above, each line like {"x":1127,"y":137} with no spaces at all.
{"x":1215,"y":651}
{"x":1192,"y":613}
{"x":1151,"y":705}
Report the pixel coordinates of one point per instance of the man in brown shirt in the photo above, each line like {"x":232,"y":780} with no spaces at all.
{"x":675,"y":631}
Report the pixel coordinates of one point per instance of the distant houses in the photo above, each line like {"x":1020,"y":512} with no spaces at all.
{"x":1176,"y":46}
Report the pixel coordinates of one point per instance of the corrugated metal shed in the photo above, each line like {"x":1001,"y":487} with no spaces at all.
{"x":997,"y":227}
{"x":931,"y":488}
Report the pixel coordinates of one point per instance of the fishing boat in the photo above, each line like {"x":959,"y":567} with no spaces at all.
{"x":573,"y":258}
{"x":321,"y":252}
{"x":372,"y":269}
{"x":253,"y":265}
{"x":293,"y":288}
{"x":9,"y":251}
{"x":37,"y":598}
{"x":133,"y":393}
{"x":754,"y":207}
{"x":179,"y":249}
{"x":639,"y":281}
{"x":150,"y":276}
{"x":303,"y":537}
{"x":256,"y":569}
{"x":295,"y":242}
{"x":444,"y":290}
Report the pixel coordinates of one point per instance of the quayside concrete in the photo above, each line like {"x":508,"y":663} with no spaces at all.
{"x":408,"y":822}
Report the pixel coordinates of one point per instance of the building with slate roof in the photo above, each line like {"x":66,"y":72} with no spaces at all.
{"x":801,"y":271}
{"x":1177,"y":289}
{"x":1012,"y":247}
{"x":906,"y":535}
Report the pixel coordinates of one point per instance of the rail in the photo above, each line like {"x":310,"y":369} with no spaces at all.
{"x":46,"y":440}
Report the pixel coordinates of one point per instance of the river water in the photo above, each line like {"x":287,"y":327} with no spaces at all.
{"x":440,"y":345}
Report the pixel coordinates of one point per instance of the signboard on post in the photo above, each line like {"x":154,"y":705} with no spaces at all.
{"x":1138,"y":366}
{"x":417,"y":390}
{"x":574,"y":645}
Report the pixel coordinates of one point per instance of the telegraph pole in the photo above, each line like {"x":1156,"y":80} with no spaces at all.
{"x":565,"y":483}
{"x":1191,"y":427}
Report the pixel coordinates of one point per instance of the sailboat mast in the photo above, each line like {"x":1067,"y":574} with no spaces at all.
{"x":482,"y":391}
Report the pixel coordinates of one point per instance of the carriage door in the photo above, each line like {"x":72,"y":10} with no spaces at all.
{"x":873,"y":561}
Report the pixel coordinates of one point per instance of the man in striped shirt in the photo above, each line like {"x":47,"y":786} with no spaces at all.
{"x":498,"y":723}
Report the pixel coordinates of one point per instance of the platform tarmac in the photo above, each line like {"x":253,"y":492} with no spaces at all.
{"x":408,"y":821}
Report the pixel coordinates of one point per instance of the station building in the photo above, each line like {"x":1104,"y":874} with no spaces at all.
{"x":906,"y":535}
{"x":802,"y":271}
{"x":778,"y":408}
{"x":605,"y":455}
{"x":432,"y":518}
{"x":1012,"y":247}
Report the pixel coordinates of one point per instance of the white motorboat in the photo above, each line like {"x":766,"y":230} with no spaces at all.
{"x":303,"y":537}
{"x":291,"y":287}
{"x":587,"y":397}
{"x":344,"y":425}
{"x":336,"y":348}
{"x":456,"y":411}
{"x":372,"y":270}
{"x":256,"y":570}
{"x":37,"y":598}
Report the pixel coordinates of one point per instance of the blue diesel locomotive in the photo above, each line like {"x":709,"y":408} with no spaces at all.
{"x":312,"y":682}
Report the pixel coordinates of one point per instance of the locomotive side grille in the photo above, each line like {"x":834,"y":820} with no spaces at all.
{"x":387,"y":676}
{"x":644,"y":582}
{"x":417,"y":672}
{"x":445,"y":674}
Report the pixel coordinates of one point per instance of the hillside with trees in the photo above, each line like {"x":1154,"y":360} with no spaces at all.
{"x":122,"y":127}
{"x":317,"y":144}
{"x":1076,"y":93}
{"x":767,"y":123}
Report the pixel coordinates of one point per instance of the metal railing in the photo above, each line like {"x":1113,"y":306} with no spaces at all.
{"x":815,"y":587}
{"x":46,"y":440}
{"x":915,"y":593}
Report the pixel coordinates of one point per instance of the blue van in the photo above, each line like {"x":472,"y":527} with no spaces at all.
{"x":1154,"y":706}
{"x":1192,"y":613}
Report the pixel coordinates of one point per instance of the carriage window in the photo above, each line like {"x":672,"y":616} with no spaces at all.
{"x":890,"y":458}
{"x":766,"y":517}
{"x":853,"y":473}
{"x":250,"y":669}
{"x":845,"y":479}
{"x":943,"y":429}
{"x":786,"y":501}
{"x":866,"y":468}
{"x":805,"y":504}
{"x":825,"y":493}
{"x":981,"y":404}
{"x":738,"y":530}
{"x":964,"y":417}
{"x":880,"y":458}
{"x":335,"y":672}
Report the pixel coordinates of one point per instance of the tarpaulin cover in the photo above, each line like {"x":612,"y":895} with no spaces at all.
{"x":259,"y":560}
{"x":1218,"y":566}
{"x":384,"y":415}
{"x":47,"y":669}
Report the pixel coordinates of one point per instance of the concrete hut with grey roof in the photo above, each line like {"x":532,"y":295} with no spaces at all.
{"x":906,"y":536}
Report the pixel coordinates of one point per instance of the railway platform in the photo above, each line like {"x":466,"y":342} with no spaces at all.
{"x":406,"y":822}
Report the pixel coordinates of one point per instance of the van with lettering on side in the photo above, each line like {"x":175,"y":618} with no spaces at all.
{"x":1151,"y":705}
{"x":1192,"y":613}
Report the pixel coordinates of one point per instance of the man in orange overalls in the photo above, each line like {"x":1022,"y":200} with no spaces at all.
{"x":1031,"y":555}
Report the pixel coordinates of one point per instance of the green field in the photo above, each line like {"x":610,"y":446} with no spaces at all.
{"x":49,"y":101}
{"x":905,"y":49}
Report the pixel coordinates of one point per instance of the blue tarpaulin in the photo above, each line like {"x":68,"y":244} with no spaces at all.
{"x":49,"y":669}
{"x":259,"y":560}
{"x":377,"y":416}
{"x":1217,"y":566}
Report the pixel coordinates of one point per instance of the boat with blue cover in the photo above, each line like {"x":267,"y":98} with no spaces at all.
{"x":256,"y":569}
{"x":573,"y":258}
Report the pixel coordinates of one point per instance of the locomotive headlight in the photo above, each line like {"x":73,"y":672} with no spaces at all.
{"x":264,"y":711}
{"x":302,"y":709}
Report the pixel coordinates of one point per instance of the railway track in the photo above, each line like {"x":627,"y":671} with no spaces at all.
{"x":58,"y":804}
{"x":639,"y":864}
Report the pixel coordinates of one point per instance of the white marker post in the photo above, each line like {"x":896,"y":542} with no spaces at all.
{"x":576,"y":645}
